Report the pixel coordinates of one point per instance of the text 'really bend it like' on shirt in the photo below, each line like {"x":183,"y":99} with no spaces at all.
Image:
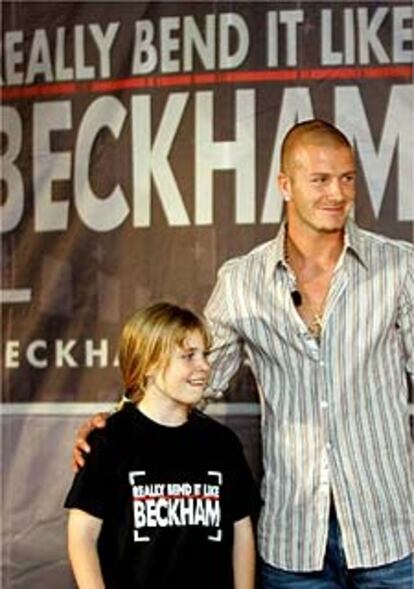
{"x":335,"y":414}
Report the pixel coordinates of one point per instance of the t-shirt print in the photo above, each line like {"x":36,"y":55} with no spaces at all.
{"x":176,"y":504}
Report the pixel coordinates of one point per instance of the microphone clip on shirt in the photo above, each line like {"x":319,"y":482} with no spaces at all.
{"x":296,"y":298}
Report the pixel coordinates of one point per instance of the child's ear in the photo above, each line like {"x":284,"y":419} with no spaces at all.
{"x":151,"y":371}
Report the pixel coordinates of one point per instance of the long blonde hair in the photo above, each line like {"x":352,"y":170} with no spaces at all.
{"x":148,"y":339}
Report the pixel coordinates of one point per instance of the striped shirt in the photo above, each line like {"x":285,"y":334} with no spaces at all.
{"x":335,"y":418}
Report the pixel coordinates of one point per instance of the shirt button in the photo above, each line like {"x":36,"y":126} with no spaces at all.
{"x":328,"y":446}
{"x":321,"y":363}
{"x":324,"y":404}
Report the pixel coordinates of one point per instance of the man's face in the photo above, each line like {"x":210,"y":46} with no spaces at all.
{"x":319,"y":187}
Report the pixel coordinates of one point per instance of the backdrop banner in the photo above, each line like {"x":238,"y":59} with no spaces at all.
{"x":139,"y":151}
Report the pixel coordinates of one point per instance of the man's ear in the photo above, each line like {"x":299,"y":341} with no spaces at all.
{"x":283,"y":182}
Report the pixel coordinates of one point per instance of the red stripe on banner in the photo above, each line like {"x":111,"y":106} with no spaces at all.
{"x":148,"y":497}
{"x":211,"y":78}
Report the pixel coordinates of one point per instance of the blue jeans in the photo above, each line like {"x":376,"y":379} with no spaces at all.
{"x":335,"y":575}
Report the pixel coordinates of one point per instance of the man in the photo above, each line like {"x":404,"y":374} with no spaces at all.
{"x":325,"y":315}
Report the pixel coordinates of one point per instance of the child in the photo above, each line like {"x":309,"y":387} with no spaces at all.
{"x":165,"y":497}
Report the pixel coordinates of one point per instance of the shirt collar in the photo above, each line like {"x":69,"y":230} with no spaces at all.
{"x":353,"y":243}
{"x":276,"y":255}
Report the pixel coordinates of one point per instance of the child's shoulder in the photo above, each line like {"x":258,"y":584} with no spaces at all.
{"x":118,"y":428}
{"x":212,"y":427}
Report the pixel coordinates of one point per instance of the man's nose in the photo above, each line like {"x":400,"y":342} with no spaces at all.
{"x":336,"y":191}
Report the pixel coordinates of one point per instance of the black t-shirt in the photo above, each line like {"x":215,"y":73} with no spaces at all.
{"x":168,"y":498}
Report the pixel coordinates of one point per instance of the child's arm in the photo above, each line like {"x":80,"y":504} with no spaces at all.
{"x":244,"y":554}
{"x":83,"y":532}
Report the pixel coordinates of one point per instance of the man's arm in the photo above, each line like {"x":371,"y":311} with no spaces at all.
{"x":405,"y":321}
{"x":244,"y":554}
{"x":227,"y":353}
{"x":83,"y":532}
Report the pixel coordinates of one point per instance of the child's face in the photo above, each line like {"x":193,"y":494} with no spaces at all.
{"x":185,"y":377}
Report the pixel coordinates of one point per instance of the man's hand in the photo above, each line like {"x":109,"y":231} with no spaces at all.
{"x":81,"y":446}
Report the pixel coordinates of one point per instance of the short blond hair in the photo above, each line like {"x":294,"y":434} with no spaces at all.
{"x":313,"y":131}
{"x":148,"y":339}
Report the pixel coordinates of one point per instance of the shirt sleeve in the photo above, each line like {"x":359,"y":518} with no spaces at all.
{"x":227,"y":352}
{"x":405,"y":321}
{"x":245,"y":498}
{"x":93,"y":486}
